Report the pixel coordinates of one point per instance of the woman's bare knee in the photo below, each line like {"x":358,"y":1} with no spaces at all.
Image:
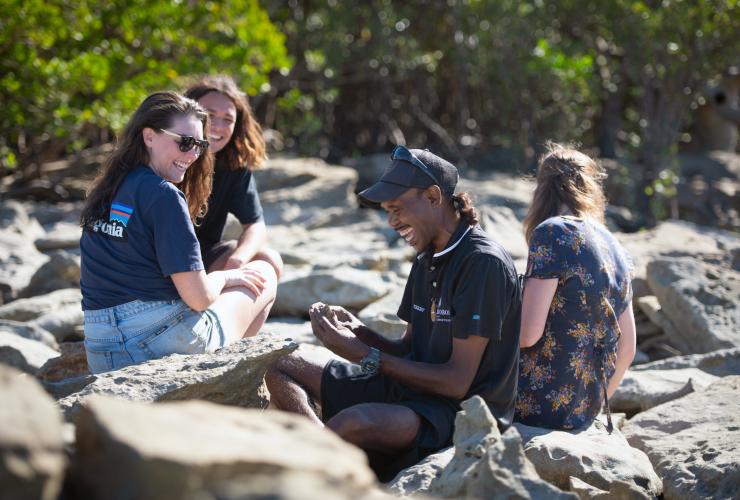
{"x":272,"y":257}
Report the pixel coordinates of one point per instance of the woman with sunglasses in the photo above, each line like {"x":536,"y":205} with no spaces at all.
{"x":236,"y":140}
{"x":578,"y":330}
{"x":145,"y":293}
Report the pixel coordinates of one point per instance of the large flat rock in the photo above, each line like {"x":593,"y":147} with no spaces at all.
{"x":133,"y":450}
{"x":231,"y":376}
{"x":651,"y":384}
{"x":693,"y":442}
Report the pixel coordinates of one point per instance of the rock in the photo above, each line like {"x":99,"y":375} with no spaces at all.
{"x":63,"y":235}
{"x":701,"y":300}
{"x":484,"y":464}
{"x":71,"y":363}
{"x":381,"y":315}
{"x":170,"y":450}
{"x":61,"y":271}
{"x":32,"y":459}
{"x":24,"y":354}
{"x":591,"y":455}
{"x":295,"y":329}
{"x":19,"y":258}
{"x":502,"y":225}
{"x":693,"y":442}
{"x":295,"y":190}
{"x":29,"y":331}
{"x":418,"y":478}
{"x":655,"y":383}
{"x":346,"y":287}
{"x":34,"y":307}
{"x":64,"y":323}
{"x":231,"y":376}
{"x":619,"y":490}
{"x":672,"y":239}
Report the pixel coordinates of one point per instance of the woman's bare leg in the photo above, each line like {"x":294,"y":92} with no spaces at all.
{"x":240,"y":311}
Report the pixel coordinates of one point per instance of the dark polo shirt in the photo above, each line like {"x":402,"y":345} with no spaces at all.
{"x":469,"y":288}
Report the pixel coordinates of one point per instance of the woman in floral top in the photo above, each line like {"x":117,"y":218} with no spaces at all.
{"x":578,"y":329}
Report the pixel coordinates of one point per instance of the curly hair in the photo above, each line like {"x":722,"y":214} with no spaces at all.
{"x":565,"y":177}
{"x":158,"y":111}
{"x":246,"y":148}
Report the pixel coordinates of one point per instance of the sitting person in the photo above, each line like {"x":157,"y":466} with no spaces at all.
{"x":462,"y":305}
{"x":144,"y":291}
{"x":235,"y":138}
{"x":578,"y":330}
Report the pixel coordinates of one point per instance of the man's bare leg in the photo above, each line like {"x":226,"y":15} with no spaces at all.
{"x":380,"y":427}
{"x":297,"y":377}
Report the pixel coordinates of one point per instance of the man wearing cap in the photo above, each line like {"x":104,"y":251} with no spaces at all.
{"x":397,"y":400}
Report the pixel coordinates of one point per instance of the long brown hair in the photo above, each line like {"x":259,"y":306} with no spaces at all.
{"x":565,"y":176}
{"x":158,"y":111}
{"x":246,"y":148}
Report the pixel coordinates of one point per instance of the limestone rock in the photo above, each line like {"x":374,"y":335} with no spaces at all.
{"x":381,"y":315}
{"x":658,"y":382}
{"x":133,"y":450}
{"x":32,"y":459}
{"x":61,"y":271}
{"x":702,"y":301}
{"x":591,"y":455}
{"x":484,"y":464}
{"x":693,"y":441}
{"x":63,"y":235}
{"x":346,"y":287}
{"x":24,"y":354}
{"x":676,"y":238}
{"x":231,"y":376}
{"x":71,"y":363}
{"x":502,"y":225}
{"x":418,"y":478}
{"x":29,"y":331}
{"x":34,"y":307}
{"x":65,"y":323}
{"x":619,"y":490}
{"x":295,"y":329}
{"x":19,"y":258}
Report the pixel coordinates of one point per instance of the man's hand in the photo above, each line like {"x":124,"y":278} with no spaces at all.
{"x":346,"y":319}
{"x":331,"y":325}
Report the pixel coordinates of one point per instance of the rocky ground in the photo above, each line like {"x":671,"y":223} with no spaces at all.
{"x":65,"y":432}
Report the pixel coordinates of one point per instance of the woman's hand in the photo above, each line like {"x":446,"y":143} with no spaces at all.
{"x":246,"y":277}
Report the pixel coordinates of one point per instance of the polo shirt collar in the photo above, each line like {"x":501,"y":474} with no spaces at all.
{"x":456,"y":238}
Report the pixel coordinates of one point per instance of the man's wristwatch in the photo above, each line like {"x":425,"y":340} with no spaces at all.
{"x":370,"y":364}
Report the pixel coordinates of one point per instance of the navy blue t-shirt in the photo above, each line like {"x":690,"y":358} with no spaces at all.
{"x":148,"y":236}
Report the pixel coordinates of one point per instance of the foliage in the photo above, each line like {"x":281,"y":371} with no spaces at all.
{"x":74,"y":71}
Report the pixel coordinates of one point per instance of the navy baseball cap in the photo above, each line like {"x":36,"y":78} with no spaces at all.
{"x":411,"y":168}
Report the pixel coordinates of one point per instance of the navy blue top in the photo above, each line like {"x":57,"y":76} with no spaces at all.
{"x":233,"y":191}
{"x":561,"y":384}
{"x":148,"y":236}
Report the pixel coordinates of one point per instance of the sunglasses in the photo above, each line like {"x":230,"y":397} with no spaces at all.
{"x":403,"y":153}
{"x":186,"y":142}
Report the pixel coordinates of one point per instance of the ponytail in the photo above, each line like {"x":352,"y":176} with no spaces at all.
{"x":463,"y":204}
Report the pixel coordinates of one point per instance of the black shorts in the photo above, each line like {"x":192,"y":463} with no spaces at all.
{"x":344,"y":385}
{"x":212,"y":251}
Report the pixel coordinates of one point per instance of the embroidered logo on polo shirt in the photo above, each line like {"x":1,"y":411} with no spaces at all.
{"x":419,"y":308}
{"x":440,"y":314}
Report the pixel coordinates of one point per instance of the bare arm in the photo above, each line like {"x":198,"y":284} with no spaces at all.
{"x":451,"y":379}
{"x":253,"y":237}
{"x":199,"y":290}
{"x":625,"y":348}
{"x":536,"y":301}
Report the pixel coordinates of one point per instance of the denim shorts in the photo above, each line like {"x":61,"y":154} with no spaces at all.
{"x":138,"y":331}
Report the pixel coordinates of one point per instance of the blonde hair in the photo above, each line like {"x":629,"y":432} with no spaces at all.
{"x":565,"y":176}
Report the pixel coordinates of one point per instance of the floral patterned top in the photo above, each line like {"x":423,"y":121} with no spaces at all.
{"x":561,"y":383}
